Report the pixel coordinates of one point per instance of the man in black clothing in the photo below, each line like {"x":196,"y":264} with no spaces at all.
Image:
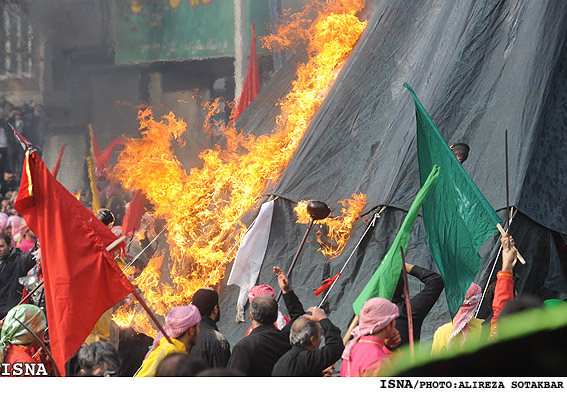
{"x":13,"y":265}
{"x":255,"y":355}
{"x":211,"y":345}
{"x":421,"y":303}
{"x":305,"y":358}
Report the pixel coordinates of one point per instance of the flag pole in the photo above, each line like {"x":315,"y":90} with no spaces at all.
{"x":408,"y":303}
{"x":309,"y":226}
{"x":350,"y":329}
{"x":507,"y":184}
{"x":151,"y":315}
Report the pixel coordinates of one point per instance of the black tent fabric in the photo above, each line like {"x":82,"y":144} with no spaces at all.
{"x":479,"y":67}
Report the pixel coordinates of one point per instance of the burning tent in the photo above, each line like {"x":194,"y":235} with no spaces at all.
{"x":479,"y":68}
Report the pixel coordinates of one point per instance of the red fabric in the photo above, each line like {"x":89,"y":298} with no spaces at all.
{"x":326,"y":284}
{"x":134,"y":214}
{"x":23,"y":141}
{"x":82,"y":280}
{"x":251,"y":86}
{"x":17,"y":354}
{"x":503,"y":294}
{"x":103,"y":158}
{"x":55,"y":170}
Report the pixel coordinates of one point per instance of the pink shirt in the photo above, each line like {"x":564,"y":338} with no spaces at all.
{"x":367,"y":354}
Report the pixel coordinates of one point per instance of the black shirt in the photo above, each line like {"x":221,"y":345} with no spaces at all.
{"x":301,"y":362}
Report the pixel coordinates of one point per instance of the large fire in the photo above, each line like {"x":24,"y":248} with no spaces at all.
{"x":202,"y":209}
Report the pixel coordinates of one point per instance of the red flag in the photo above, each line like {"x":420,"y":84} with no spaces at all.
{"x":82,"y":280}
{"x":251,"y":86}
{"x":134,"y":214}
{"x":23,"y":141}
{"x":102,"y":159}
{"x":55,"y":170}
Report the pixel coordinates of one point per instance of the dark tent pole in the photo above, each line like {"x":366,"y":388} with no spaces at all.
{"x":317,"y":211}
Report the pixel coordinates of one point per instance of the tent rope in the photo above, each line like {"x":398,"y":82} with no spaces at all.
{"x":370,"y":225}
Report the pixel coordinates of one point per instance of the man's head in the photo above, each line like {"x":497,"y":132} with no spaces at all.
{"x":264,"y":310}
{"x":99,"y":359}
{"x":207,"y":301}
{"x":377,"y":314}
{"x":182,"y":323}
{"x":461,"y":151}
{"x":5,"y":245}
{"x":305,"y":333}
{"x":180,"y":365}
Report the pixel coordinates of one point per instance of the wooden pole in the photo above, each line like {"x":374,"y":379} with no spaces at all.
{"x":152,"y":315}
{"x":507,"y":184}
{"x":309,"y":226}
{"x":503,"y":232}
{"x":350,"y":329}
{"x":408,"y":303}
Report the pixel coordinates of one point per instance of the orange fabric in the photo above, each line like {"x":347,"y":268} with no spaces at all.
{"x":251,"y":86}
{"x":503,"y":293}
{"x":82,"y":280}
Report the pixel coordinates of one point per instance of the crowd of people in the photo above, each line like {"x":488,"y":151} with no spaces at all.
{"x":191,"y":344}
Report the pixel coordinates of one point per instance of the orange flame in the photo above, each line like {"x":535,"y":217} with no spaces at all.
{"x":202,"y":209}
{"x":337,"y":229}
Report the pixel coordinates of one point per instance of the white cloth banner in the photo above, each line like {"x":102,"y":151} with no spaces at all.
{"x":250,"y":256}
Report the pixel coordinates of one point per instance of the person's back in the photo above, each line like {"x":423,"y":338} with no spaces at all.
{"x":463,"y":327}
{"x":256,"y":354}
{"x":305,"y":358}
{"x":211,"y":345}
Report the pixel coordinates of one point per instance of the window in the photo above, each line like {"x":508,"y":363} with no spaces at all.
{"x":16,"y":38}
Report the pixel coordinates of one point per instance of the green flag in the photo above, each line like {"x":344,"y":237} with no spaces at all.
{"x":456,"y":216}
{"x":384,"y":280}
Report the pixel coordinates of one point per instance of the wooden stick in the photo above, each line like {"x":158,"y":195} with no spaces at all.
{"x":408,"y":303}
{"x":115,"y":243}
{"x":350,"y":329}
{"x":309,"y":226}
{"x":152,"y":315}
{"x":519,"y":256}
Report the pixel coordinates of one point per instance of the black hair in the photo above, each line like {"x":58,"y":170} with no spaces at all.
{"x":264,"y":309}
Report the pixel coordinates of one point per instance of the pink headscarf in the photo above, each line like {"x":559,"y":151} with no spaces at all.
{"x":466,"y":312}
{"x":3,"y":221}
{"x":259,"y":290}
{"x":374,"y":316}
{"x":15,"y":222}
{"x":177,"y":321}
